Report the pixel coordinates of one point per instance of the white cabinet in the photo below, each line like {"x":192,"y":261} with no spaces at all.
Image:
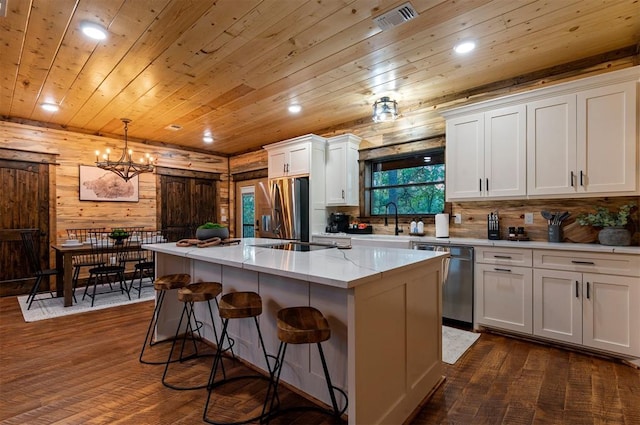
{"x":551,"y":146}
{"x":503,"y":289}
{"x":289,"y":161}
{"x":486,"y":154}
{"x":342,"y":170}
{"x":590,"y":299}
{"x":583,"y":143}
{"x":573,"y":139}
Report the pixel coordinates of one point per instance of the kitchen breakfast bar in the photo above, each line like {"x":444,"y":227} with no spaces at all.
{"x":383,"y":306}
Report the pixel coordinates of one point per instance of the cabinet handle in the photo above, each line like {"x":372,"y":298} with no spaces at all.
{"x":581,"y":182}
{"x":588,"y":291}
{"x":571,"y":179}
{"x":577,"y":286}
{"x":502,"y":270}
{"x":591,"y":263}
{"x":284,"y":168}
{"x":506,"y":257}
{"x":487,"y":185}
{"x":480,"y":181}
{"x":287,"y":168}
{"x":342,"y":193}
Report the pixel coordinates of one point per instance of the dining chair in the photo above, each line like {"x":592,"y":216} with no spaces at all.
{"x":30,"y":241}
{"x":145,"y":267}
{"x":106,"y":252}
{"x":82,"y":260}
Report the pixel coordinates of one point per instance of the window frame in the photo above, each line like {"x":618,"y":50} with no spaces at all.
{"x":367,"y":180}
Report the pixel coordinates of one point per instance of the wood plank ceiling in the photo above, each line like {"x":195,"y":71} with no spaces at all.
{"x":232,"y":67}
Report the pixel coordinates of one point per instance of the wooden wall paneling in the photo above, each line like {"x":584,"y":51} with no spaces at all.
{"x":73,"y":149}
{"x":13,"y":29}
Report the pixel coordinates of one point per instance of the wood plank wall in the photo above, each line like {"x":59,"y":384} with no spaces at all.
{"x":74,"y":149}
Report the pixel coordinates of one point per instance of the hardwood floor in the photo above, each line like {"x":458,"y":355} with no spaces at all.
{"x":84,"y":369}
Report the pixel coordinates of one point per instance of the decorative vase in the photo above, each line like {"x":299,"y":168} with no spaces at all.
{"x":614,"y":236}
{"x":219,"y":232}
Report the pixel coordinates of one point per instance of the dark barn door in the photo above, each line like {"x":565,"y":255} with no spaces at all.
{"x":187,"y":202}
{"x":24,"y":205}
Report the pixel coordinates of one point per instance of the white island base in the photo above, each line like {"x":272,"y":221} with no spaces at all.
{"x":385,"y":349}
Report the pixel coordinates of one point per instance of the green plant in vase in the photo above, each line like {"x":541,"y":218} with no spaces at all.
{"x":212,"y":230}
{"x":118,"y":235}
{"x":613,"y":224}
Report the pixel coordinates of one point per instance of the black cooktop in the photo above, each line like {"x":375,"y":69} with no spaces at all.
{"x":296,"y":246}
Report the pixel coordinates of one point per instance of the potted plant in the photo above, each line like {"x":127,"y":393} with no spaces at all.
{"x":613,"y":224}
{"x":118,"y":235}
{"x":212,"y":230}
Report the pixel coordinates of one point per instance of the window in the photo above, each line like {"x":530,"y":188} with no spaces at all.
{"x":248,"y":211}
{"x":414,"y":183}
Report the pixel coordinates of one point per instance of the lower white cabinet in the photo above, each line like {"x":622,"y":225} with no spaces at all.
{"x":595,"y":310}
{"x":588,"y":299}
{"x":504,"y":297}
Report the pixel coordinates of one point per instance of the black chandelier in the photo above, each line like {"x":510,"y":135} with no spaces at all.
{"x":125,"y":167}
{"x":385,"y":109}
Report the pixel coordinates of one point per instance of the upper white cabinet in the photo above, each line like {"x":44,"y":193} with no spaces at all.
{"x":489,"y":153}
{"x":294,"y":157}
{"x":572,"y":139}
{"x":342,"y":170}
{"x":583,"y":143}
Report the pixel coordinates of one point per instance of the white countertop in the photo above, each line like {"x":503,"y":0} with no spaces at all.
{"x":344,"y":268}
{"x":564,"y":246}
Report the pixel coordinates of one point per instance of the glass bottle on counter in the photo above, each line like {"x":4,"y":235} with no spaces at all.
{"x":413,"y":227}
{"x":420,"y":226}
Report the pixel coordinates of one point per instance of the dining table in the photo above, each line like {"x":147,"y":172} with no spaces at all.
{"x":64,"y":264}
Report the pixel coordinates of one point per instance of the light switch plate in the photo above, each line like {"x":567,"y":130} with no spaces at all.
{"x":457,"y":218}
{"x":528,"y":218}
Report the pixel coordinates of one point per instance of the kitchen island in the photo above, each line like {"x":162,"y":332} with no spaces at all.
{"x":383,"y":305}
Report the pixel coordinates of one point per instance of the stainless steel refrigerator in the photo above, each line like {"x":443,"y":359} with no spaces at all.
{"x":288,"y":217}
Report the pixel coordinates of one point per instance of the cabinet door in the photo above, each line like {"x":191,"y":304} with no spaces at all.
{"x":557,"y":305}
{"x":504,"y":297}
{"x":607,"y":139}
{"x":277,"y":163}
{"x":611,"y":311}
{"x":336,"y":173}
{"x":551,"y":146}
{"x":505,"y":152}
{"x":465,"y":157}
{"x":299,"y":158}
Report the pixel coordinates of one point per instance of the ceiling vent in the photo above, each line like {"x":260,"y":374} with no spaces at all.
{"x":395,"y":17}
{"x":173,"y":127}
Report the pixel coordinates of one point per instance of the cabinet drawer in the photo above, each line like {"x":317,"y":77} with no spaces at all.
{"x":615,"y":264}
{"x":504,"y":256}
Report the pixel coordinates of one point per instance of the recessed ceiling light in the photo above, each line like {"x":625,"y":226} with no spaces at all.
{"x":173,"y":127}
{"x":93,"y":30}
{"x":464,"y":47}
{"x":50,"y":107}
{"x":294,"y":109}
{"x":207,"y":139}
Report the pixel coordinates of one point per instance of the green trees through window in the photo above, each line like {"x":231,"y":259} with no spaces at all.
{"x":415,"y":184}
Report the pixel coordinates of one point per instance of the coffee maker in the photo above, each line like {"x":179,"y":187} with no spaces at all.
{"x":338,"y":223}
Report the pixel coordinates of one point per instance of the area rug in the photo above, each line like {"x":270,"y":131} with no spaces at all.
{"x":455,"y":342}
{"x":45,"y":307}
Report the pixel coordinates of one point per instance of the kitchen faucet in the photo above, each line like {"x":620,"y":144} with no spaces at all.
{"x":386,"y":214}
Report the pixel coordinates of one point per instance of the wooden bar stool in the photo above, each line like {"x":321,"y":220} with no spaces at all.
{"x":189,"y":295}
{"x":301,"y":325}
{"x":236,"y":305}
{"x":162,"y":285}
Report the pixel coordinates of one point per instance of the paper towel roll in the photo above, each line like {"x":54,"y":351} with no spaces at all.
{"x":442,"y":225}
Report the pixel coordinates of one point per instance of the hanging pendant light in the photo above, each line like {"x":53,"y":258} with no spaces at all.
{"x":125,"y":167}
{"x":385,"y":109}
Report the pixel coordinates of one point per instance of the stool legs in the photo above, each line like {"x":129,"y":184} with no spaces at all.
{"x":272,"y":391}
{"x":214,"y":370}
{"x":148,"y":339}
{"x":187,"y":311}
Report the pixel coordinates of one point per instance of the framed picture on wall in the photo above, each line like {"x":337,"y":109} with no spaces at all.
{"x":97,"y":184}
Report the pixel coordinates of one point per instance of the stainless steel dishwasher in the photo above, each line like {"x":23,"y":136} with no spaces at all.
{"x":457,"y":294}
